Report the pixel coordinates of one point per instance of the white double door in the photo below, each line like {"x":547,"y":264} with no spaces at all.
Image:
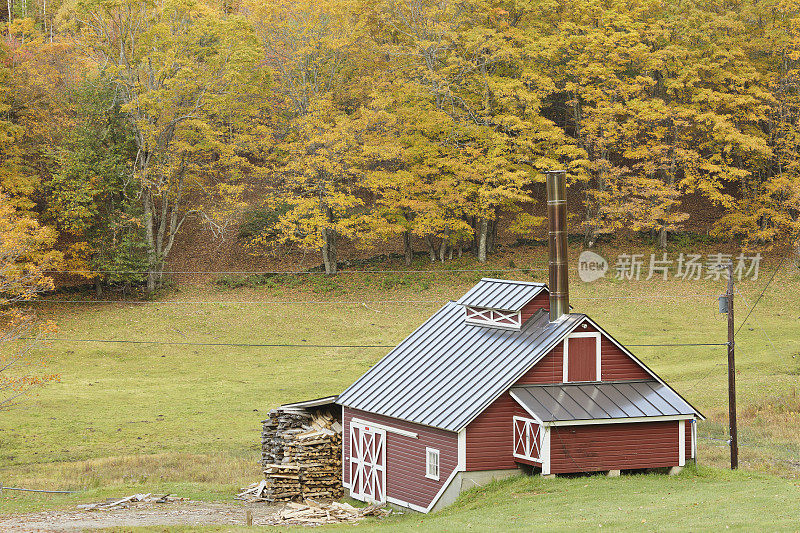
{"x":367,"y":463}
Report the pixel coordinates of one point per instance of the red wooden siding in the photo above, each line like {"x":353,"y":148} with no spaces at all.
{"x":615,"y":364}
{"x":541,"y":301}
{"x":613,"y":446}
{"x":550,"y":369}
{"x":582,"y":359}
{"x":405,"y":457}
{"x":490,"y":442}
{"x":689,"y":425}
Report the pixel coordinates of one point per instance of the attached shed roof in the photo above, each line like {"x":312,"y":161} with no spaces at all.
{"x":448,"y":371}
{"x":318,"y":402}
{"x":594,"y":401}
{"x":501,"y":294}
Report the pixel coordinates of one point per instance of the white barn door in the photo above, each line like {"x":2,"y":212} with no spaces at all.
{"x":367,"y":463}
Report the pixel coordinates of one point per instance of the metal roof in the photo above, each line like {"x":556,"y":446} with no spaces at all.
{"x":448,"y":371}
{"x":501,"y":294}
{"x":318,"y":402}
{"x":593,"y":401}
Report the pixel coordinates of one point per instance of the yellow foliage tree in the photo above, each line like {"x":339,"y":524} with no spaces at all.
{"x":26,"y":253}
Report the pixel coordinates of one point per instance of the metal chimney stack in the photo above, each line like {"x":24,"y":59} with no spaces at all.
{"x":557,"y":220}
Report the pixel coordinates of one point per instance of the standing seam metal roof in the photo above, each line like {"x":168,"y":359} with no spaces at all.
{"x":447,"y":371}
{"x":501,"y":294}
{"x":591,"y":401}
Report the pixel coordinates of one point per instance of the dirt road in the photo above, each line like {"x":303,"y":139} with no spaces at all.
{"x":146,"y":514}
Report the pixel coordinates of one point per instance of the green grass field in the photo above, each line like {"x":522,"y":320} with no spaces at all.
{"x":149,"y":417}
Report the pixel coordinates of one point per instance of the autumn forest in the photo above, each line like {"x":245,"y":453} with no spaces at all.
{"x":304,"y":123}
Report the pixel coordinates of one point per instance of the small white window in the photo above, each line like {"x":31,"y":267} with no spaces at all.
{"x":432,"y":464}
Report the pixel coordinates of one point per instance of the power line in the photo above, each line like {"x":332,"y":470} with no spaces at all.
{"x":653,"y":297}
{"x":281,"y":345}
{"x":293,"y":272}
{"x":2,"y":487}
{"x":236,"y":302}
{"x":777,"y":268}
{"x":232,"y":344}
{"x":764,"y":331}
{"x":327,"y":302}
{"x":685,"y":344}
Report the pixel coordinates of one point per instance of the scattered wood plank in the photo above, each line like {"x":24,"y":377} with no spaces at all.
{"x":124,"y":503}
{"x":314,"y":513}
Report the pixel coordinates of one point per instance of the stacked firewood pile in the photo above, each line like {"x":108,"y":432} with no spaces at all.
{"x":301,"y":453}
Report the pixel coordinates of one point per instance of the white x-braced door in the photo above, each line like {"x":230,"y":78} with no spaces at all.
{"x":367,"y":463}
{"x":527,"y":439}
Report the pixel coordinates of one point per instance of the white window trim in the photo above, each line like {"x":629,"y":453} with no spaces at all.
{"x":428,"y":452}
{"x":598,"y":362}
{"x":489,"y":317}
{"x":682,"y":443}
{"x":534,"y":446}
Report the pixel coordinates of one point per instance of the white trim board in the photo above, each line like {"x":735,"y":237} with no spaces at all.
{"x":441,"y":490}
{"x":412,"y":506}
{"x":534,"y":415}
{"x":545,"y":453}
{"x":388,"y":429}
{"x":636,"y":419}
{"x":462,"y":449}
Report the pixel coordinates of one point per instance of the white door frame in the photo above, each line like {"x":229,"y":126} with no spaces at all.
{"x":565,"y":358}
{"x":359,"y":485}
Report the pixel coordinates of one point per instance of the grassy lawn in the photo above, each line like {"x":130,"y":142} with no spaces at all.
{"x":706,"y":499}
{"x":149,"y":417}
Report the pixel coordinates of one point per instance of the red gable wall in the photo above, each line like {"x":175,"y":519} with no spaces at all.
{"x":405,"y":457}
{"x":489,"y":440}
{"x":615,"y":364}
{"x":541,"y":301}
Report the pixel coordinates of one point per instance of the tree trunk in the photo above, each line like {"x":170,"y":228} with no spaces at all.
{"x":329,"y":250}
{"x":98,"y":287}
{"x":483,"y":234}
{"x":443,"y":249}
{"x":492,"y":235}
{"x":152,"y":254}
{"x":431,"y":249}
{"x":408,"y":252}
{"x":662,"y":238}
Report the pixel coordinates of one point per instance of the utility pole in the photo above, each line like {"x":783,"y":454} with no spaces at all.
{"x":734,"y":442}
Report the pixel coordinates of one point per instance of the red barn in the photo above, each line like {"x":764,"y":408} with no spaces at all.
{"x":501,"y":380}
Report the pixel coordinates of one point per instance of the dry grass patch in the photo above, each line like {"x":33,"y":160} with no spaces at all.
{"x":134,"y":469}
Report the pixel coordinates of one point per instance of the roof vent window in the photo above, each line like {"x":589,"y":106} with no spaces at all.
{"x":494,"y":318}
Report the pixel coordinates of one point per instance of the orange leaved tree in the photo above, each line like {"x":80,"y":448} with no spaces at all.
{"x":26,"y":253}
